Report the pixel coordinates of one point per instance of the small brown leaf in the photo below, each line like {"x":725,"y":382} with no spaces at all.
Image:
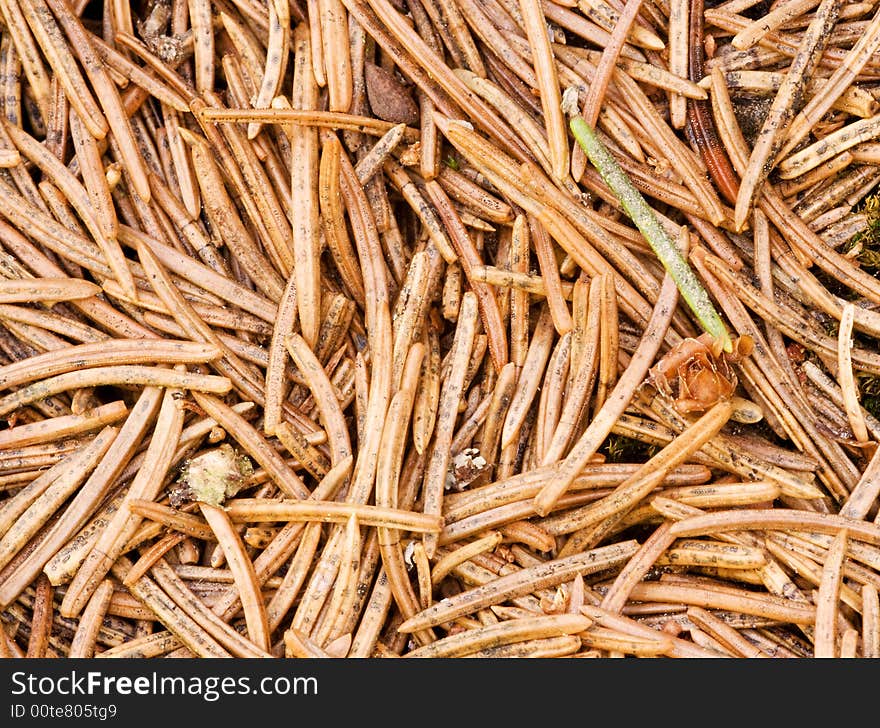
{"x":389,"y":98}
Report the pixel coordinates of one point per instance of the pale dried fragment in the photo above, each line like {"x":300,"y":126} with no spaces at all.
{"x":570,"y":103}
{"x":212,"y":477}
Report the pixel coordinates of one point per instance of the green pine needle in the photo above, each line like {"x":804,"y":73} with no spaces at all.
{"x":649,"y":226}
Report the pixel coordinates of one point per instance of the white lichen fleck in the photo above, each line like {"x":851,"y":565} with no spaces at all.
{"x":408,"y":554}
{"x":466,"y":467}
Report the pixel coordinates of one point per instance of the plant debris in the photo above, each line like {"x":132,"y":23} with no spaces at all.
{"x":439,"y":328}
{"x":211,"y":477}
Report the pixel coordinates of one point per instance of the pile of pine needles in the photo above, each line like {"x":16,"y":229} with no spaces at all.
{"x":439,"y":328}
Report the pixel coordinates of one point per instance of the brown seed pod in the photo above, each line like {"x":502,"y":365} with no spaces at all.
{"x":696,"y":374}
{"x":389,"y":98}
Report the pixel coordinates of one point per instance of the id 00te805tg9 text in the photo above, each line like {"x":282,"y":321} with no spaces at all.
{"x":66,"y":711}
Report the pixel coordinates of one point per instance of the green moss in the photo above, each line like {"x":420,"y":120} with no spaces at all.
{"x":869,"y":388}
{"x":872,"y":405}
{"x":622,"y":449}
{"x":868,"y":241}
